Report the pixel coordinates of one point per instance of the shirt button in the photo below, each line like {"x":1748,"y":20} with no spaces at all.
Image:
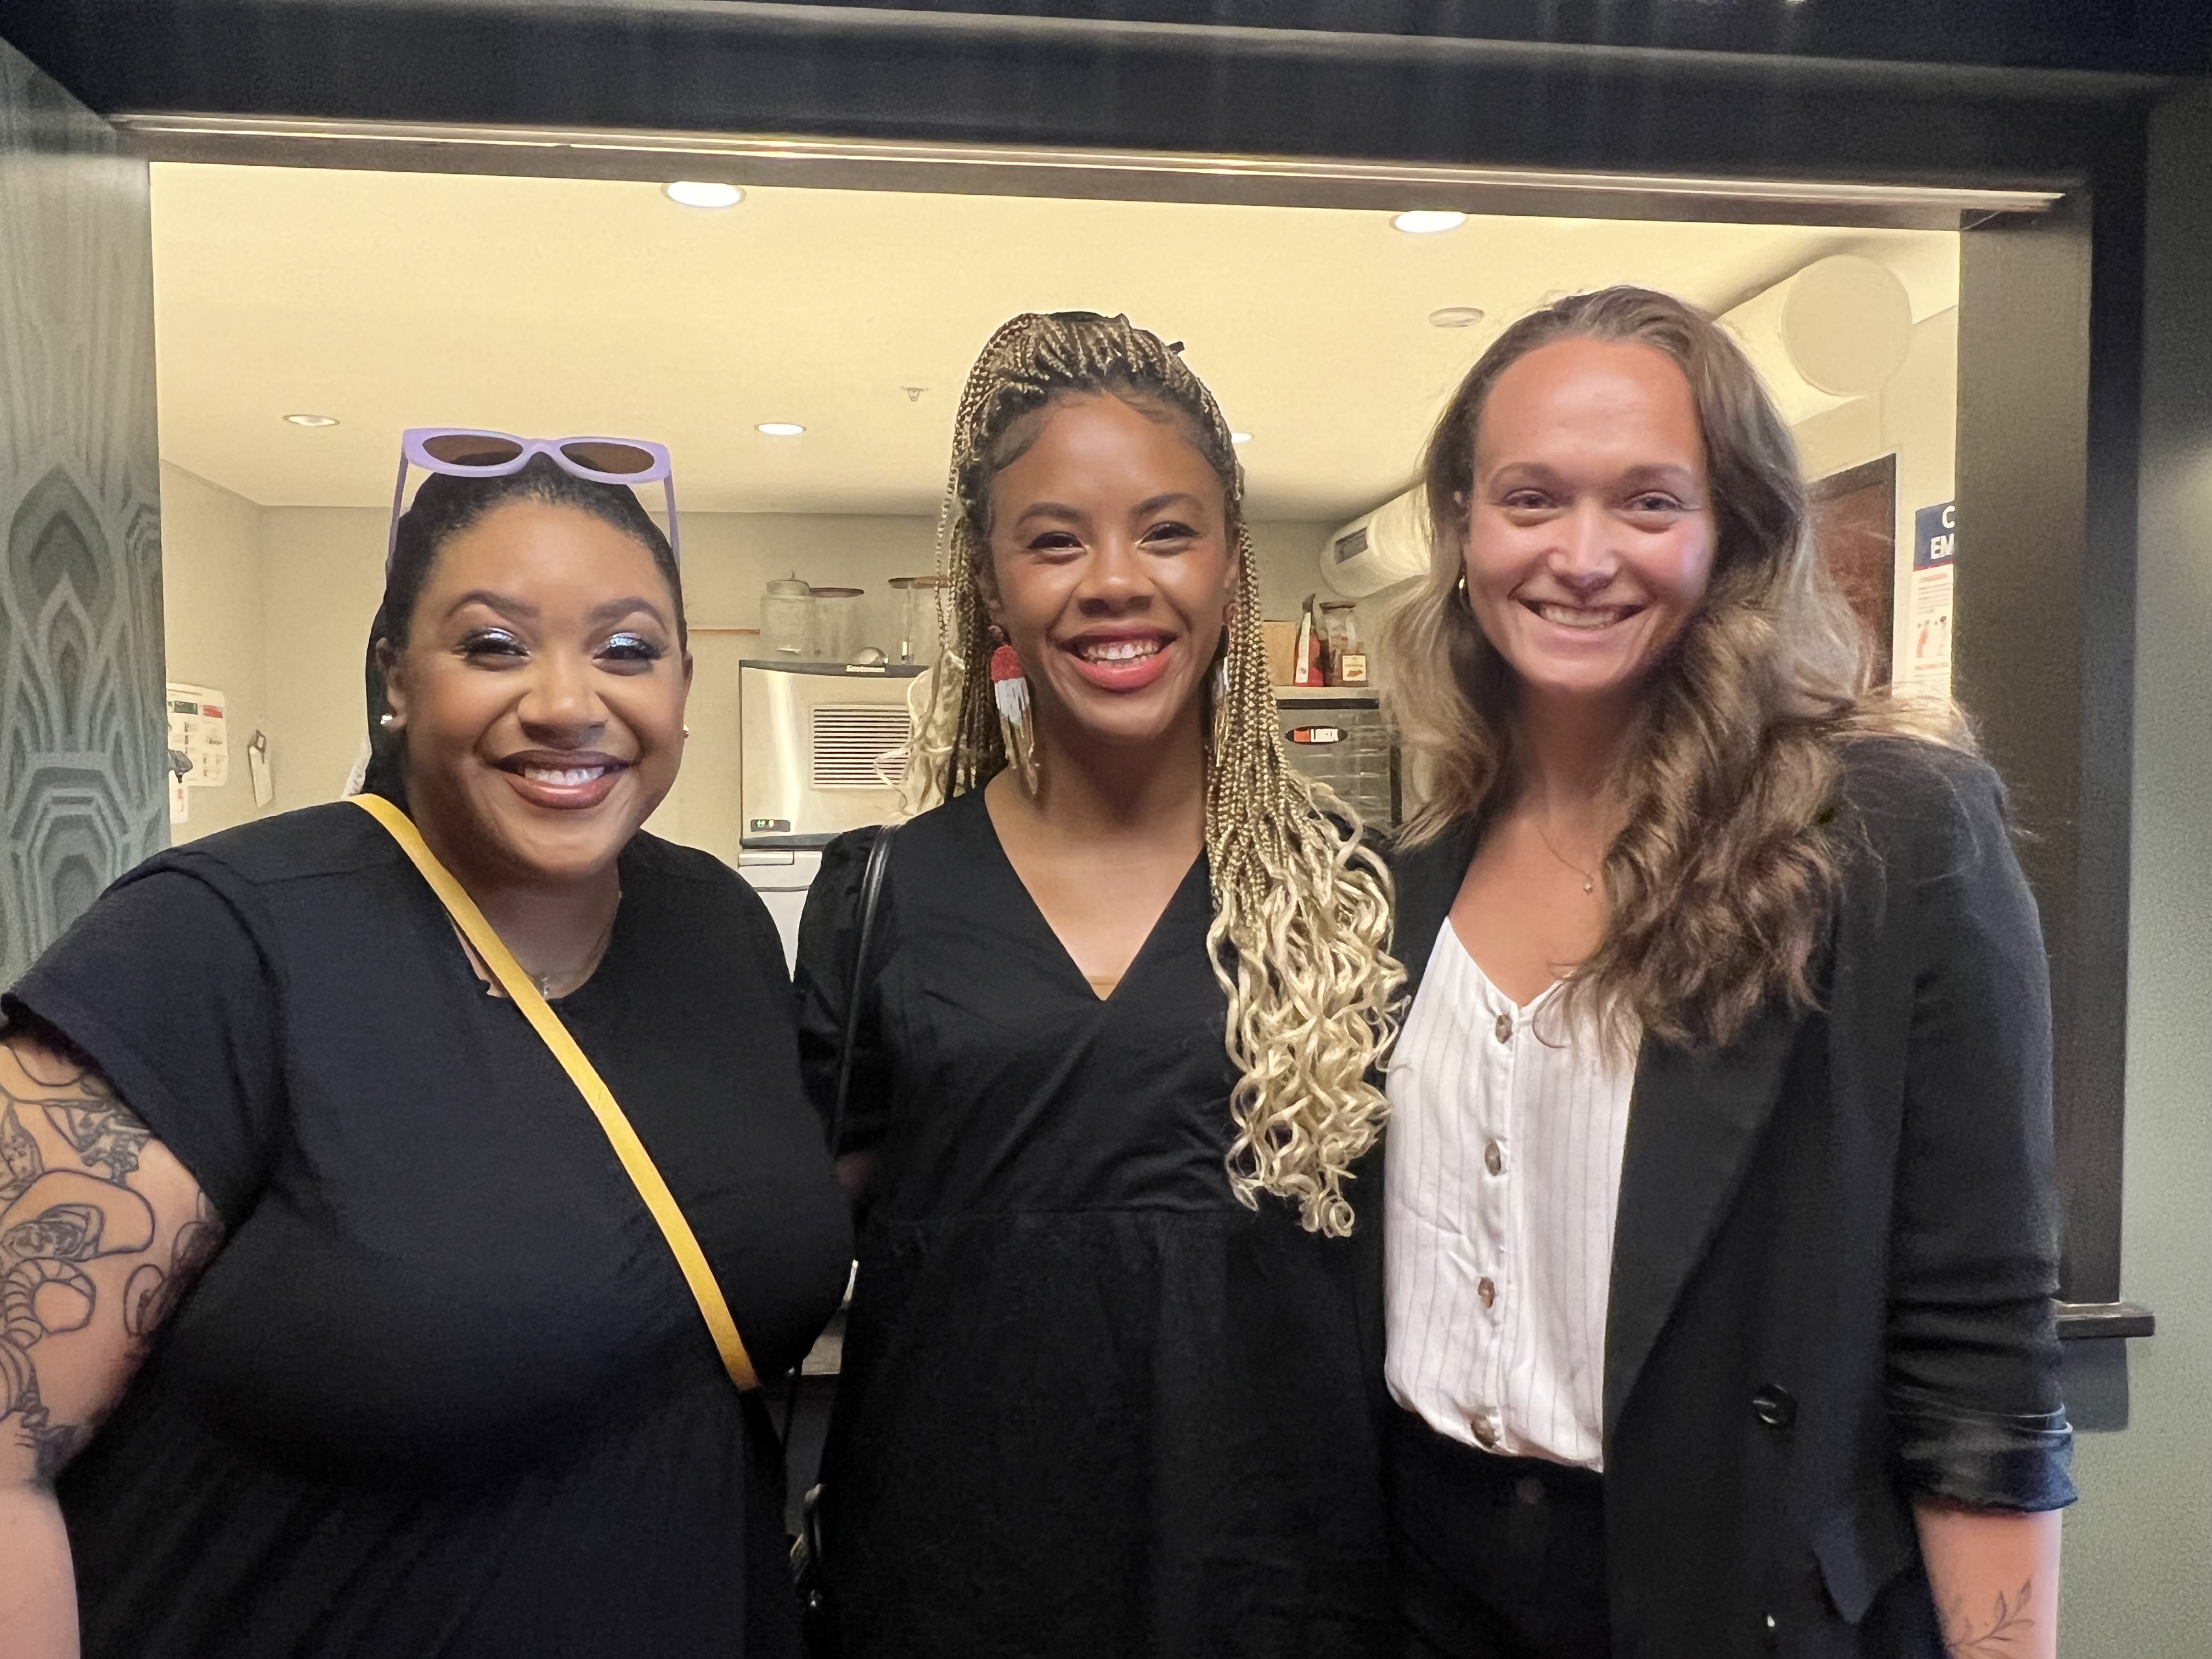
{"x":1492,"y":1159}
{"x":1775,"y":1406}
{"x":1487,"y":1291}
{"x":1485,"y":1432}
{"x":1505,"y":1028}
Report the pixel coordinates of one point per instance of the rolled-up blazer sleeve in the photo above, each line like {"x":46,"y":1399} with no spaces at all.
{"x":1972,"y":1362}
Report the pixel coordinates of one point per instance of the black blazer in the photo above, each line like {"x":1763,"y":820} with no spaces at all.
{"x":1835,"y":1249}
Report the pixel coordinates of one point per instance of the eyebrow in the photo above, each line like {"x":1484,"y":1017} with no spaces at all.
{"x":1661,"y":473}
{"x":1151,"y":504}
{"x":521,"y":610}
{"x":615,"y":608}
{"x":1653,"y":473}
{"x":1168,"y":500}
{"x":506,"y":603}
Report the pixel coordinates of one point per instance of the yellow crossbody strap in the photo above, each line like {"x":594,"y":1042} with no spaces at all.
{"x":635,"y":1160}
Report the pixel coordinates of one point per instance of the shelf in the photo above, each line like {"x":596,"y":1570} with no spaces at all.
{"x":2086,"y":1321}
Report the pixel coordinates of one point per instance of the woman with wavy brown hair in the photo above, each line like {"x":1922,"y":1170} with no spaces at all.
{"x":1720,"y":1225}
{"x":1111,"y":1383}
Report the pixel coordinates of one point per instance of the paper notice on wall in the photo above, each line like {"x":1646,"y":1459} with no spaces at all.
{"x":1928,"y":648}
{"x":199,"y":730}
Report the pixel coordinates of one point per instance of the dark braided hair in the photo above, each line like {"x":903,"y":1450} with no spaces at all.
{"x":444,"y":508}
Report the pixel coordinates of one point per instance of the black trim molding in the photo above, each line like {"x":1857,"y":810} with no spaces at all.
{"x":2083,"y":1321}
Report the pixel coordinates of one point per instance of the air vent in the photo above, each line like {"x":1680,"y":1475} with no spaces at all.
{"x":860,"y":745}
{"x":1351,"y":547}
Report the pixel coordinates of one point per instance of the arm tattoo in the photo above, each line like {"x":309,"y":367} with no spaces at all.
{"x":2008,"y":1631}
{"x":55,"y":1220}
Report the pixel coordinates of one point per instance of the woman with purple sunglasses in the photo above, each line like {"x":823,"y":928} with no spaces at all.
{"x":398,"y":1352}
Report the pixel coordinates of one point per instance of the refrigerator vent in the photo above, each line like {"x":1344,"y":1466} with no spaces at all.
{"x":860,"y":745}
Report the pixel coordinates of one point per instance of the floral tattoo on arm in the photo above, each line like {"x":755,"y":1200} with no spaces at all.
{"x":2006,"y":1632}
{"x":68,"y":1149}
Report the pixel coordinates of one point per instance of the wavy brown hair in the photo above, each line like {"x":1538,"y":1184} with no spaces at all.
{"x":1301,"y":929}
{"x":1718,"y":890}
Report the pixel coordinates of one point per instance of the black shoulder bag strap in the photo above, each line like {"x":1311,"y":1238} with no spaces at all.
{"x":872,"y":887}
{"x":817,"y":1617}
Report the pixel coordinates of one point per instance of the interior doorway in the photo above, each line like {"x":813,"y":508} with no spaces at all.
{"x":799,"y":348}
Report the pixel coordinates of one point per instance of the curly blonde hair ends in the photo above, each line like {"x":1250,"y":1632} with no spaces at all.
{"x":1301,"y":929}
{"x":1717,"y":891}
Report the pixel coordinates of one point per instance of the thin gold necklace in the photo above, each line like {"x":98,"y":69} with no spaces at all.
{"x":1589,"y":876}
{"x":583,"y":970}
{"x":544,"y":983}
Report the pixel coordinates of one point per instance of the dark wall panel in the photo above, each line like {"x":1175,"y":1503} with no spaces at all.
{"x":2047,"y":431}
{"x":853,"y":71}
{"x":82,"y":728}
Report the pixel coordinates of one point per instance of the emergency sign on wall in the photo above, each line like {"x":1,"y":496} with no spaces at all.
{"x":1934,"y":543}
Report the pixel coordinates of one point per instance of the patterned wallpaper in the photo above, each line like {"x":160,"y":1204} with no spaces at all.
{"x":82,"y":737}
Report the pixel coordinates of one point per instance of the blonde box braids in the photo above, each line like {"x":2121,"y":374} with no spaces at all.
{"x":1301,"y":929}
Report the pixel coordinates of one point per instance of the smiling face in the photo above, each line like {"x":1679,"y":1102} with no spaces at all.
{"x":541,"y":692}
{"x":1111,"y":568}
{"x":1589,"y":534}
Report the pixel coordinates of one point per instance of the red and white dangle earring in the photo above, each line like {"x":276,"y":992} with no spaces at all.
{"x":1010,"y":690}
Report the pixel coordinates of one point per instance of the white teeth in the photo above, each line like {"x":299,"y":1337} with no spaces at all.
{"x":1575,"y":617}
{"x":569,"y":776}
{"x":1120,"y":650}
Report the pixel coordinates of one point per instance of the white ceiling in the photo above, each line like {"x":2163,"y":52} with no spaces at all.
{"x":555,"y":306}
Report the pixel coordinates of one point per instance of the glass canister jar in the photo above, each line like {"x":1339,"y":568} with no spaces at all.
{"x":836,"y":623}
{"x":917,"y":617}
{"x":788,"y":616}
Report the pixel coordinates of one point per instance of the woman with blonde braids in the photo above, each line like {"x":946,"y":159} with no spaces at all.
{"x":1720,"y":1213}
{"x":1111,"y":1383}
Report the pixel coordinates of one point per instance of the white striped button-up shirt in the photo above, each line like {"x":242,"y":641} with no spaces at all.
{"x":1503,"y":1178}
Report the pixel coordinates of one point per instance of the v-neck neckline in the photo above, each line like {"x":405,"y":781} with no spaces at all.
{"x":1485,"y":984}
{"x":1074,"y":969}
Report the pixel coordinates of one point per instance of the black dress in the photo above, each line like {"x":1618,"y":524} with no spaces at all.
{"x":1092,"y":1406}
{"x":444,"y":1391}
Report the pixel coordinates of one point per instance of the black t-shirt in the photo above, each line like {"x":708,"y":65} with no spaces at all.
{"x":444,"y":1390}
{"x":1092,"y":1406}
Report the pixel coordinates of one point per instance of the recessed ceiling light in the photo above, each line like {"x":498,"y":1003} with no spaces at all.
{"x":699,"y":193}
{"x":1240,"y":437}
{"x":1425,"y":221}
{"x":313,"y":420}
{"x":780,"y":429}
{"x":1457,"y":316}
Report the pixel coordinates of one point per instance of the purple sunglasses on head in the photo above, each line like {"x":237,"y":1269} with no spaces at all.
{"x":461,"y":452}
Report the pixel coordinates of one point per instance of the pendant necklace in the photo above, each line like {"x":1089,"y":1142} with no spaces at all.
{"x":583,"y":971}
{"x":1589,"y":876}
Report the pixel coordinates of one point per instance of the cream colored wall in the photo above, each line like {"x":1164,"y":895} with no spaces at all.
{"x":212,"y":626}
{"x":1916,"y":417}
{"x":322,"y":571}
{"x":277,"y":604}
